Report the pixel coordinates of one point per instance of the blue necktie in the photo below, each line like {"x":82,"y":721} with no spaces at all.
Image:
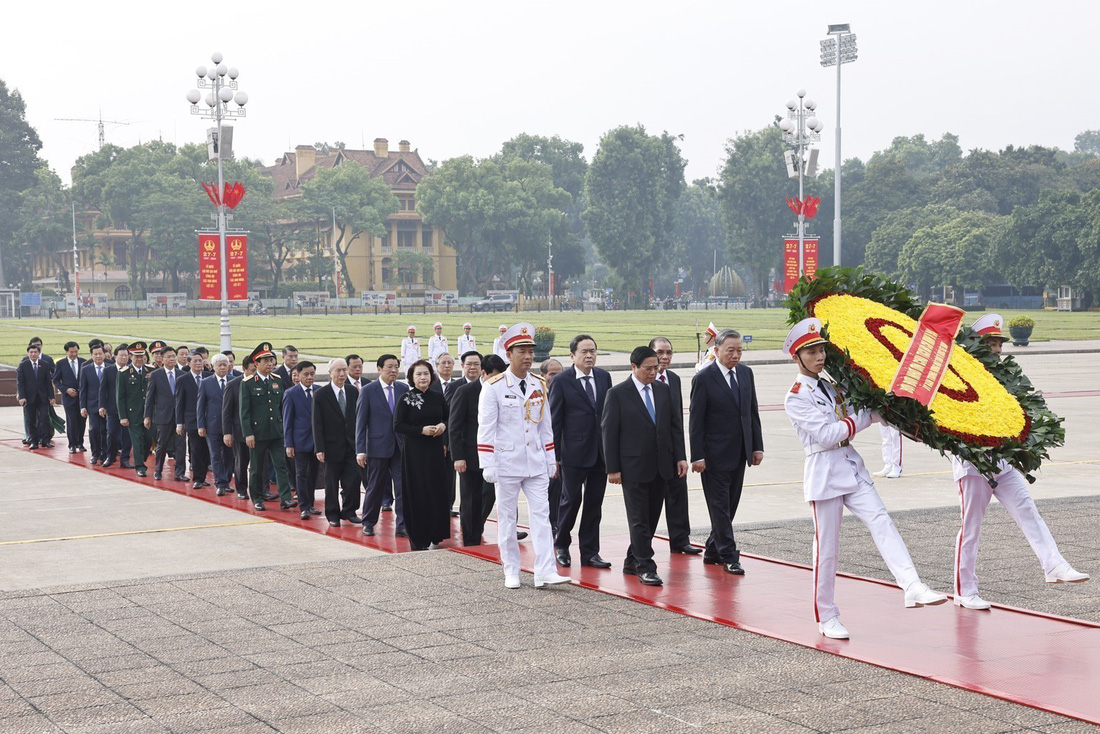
{"x":649,"y":405}
{"x":172,"y":381}
{"x":589,"y":389}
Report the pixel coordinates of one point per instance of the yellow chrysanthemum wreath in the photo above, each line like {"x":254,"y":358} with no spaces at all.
{"x":985,"y":409}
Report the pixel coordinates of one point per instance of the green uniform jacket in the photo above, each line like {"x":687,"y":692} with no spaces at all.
{"x":130,"y":393}
{"x":262,"y":408}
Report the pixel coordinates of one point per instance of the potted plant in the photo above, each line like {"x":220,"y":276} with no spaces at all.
{"x":1020,"y":328}
{"x":544,"y":342}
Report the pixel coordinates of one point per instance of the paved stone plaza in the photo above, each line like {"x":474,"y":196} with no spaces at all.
{"x":169,"y":614}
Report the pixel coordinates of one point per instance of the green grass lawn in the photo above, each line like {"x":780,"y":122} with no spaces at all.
{"x":369,"y":335}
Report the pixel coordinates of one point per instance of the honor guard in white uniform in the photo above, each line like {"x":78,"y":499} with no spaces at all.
{"x":437,"y":343}
{"x":891,"y":452}
{"x":498,"y":344}
{"x":466,"y":342}
{"x":1011,"y":491}
{"x":835,"y":478}
{"x":709,"y":336}
{"x":515,"y":444}
{"x":410,"y":349}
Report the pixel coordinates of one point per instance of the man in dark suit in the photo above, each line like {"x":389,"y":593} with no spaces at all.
{"x":66,"y":376}
{"x":462,"y":444}
{"x":233,"y":434}
{"x":676,"y":501}
{"x":355,"y":372}
{"x":298,"y":437}
{"x":187,"y":421}
{"x":283,"y":372}
{"x":91,"y":375}
{"x":44,"y":359}
{"x":118,"y":438}
{"x":34,"y":390}
{"x":444,"y":369}
{"x":334,"y":409}
{"x":470,"y":362}
{"x":208,"y":417}
{"x":160,"y":411}
{"x":644,"y":449}
{"x":724,"y":427}
{"x":377,"y":449}
{"x":576,"y":405}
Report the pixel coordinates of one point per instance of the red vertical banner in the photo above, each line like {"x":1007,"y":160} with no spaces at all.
{"x":925,"y":362}
{"x":809,"y":259}
{"x":237,"y":263}
{"x":210,"y":288}
{"x":790,"y":261}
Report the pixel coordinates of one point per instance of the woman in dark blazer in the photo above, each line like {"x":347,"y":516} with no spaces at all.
{"x":420,"y":417}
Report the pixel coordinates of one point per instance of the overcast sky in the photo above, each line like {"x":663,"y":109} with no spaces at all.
{"x":456,"y":78}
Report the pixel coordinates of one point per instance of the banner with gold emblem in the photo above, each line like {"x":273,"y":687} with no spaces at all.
{"x":236,"y":255}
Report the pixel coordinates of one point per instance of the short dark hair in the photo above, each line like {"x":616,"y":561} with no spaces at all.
{"x":577,"y":342}
{"x":34,"y":345}
{"x":94,"y":346}
{"x":654,"y":340}
{"x":641,"y":354}
{"x":122,"y":348}
{"x":493,"y":363}
{"x":35,"y":340}
{"x":166,"y":350}
{"x":350,"y":357}
{"x":414,"y":365}
{"x":471,"y":353}
{"x":385,"y":358}
{"x":202,"y":350}
{"x":182,"y":347}
{"x":229,"y":353}
{"x":304,"y":365}
{"x":70,"y":345}
{"x":289,"y":348}
{"x":725,"y":334}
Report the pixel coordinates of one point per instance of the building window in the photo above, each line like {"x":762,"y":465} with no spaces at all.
{"x":406,"y":238}
{"x":402,"y":167}
{"x":122,"y":293}
{"x":408,"y":204}
{"x":426,"y":239}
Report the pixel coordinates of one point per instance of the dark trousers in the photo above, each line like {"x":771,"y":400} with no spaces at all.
{"x":268,"y":448}
{"x":676,"y":513}
{"x":342,"y":490}
{"x":140,"y":438}
{"x":380,"y":473}
{"x":199,"y":454}
{"x":643,"y":510}
{"x":242,"y":455}
{"x":488,"y":499}
{"x":306,"y":470}
{"x":582,"y":491}
{"x":221,"y":459}
{"x":118,"y":440}
{"x":723,"y":492}
{"x":74,"y":426}
{"x":470,"y":512}
{"x":97,"y":435}
{"x":553,"y":496}
{"x":37,"y":420}
{"x":168,"y":438}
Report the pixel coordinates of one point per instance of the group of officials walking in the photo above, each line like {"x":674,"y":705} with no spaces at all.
{"x":502,"y":427}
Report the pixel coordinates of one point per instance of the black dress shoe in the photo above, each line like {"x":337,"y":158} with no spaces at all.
{"x":649,"y":578}
{"x":629,"y":569}
{"x":354,"y":520}
{"x":205,"y":484}
{"x":72,"y":450}
{"x":32,"y":446}
{"x":288,"y":505}
{"x":687,"y":550}
{"x":95,"y":462}
{"x":368,"y":530}
{"x":108,"y":463}
{"x":260,"y":507}
{"x":304,"y":514}
{"x":314,"y":511}
{"x":126,"y":465}
{"x":198,"y":485}
{"x":242,"y":495}
{"x":141,"y":472}
{"x":387,"y":507}
{"x":222,"y":491}
{"x":454,"y":513}
{"x":48,"y":445}
{"x":81,"y":449}
{"x":156,"y":475}
{"x":180,"y":478}
{"x":596,"y":562}
{"x":26,"y":442}
{"x":401,"y":533}
{"x":334,"y":523}
{"x":521,"y":534}
{"x":268,"y":497}
{"x":561,"y":555}
{"x":734,"y":568}
{"x":712,"y":560}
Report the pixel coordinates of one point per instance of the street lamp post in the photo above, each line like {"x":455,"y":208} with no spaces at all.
{"x":801,"y":129}
{"x":837,"y":52}
{"x":550,"y":273}
{"x":217,"y":102}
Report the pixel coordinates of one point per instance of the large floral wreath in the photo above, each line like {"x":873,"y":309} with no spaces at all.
{"x":985,"y":410}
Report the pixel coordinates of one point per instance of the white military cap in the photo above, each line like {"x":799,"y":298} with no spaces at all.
{"x":989,"y":326}
{"x":806,"y":333}
{"x":521,"y":334}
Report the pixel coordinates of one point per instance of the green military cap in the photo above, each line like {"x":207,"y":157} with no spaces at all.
{"x":263,"y":350}
{"x":137,"y":347}
{"x":157,"y":346}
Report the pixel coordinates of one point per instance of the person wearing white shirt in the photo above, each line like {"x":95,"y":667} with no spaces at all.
{"x":466,"y":342}
{"x":437,"y":343}
{"x":410,"y":349}
{"x":498,"y":344}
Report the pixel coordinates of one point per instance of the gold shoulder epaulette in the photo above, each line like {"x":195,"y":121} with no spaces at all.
{"x":492,"y":380}
{"x":246,"y":378}
{"x":123,"y":369}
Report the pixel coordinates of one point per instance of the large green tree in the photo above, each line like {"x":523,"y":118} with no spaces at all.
{"x":631,"y":189}
{"x":44,"y":215}
{"x":957,"y":252}
{"x":697,"y":232}
{"x":19,"y":164}
{"x":889,"y":238}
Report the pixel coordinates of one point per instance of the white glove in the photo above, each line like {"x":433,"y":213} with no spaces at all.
{"x":489,"y":475}
{"x":552,"y":470}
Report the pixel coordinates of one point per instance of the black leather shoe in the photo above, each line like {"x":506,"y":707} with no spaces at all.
{"x":156,"y":475}
{"x":288,"y":505}
{"x":32,"y":446}
{"x":48,"y":445}
{"x":26,"y":442}
{"x":521,"y":534}
{"x":629,"y":569}
{"x":454,"y":513}
{"x":368,"y":530}
{"x":268,"y":497}
{"x":180,"y":478}
{"x":260,"y":507}
{"x":222,"y":491}
{"x":108,"y":463}
{"x":72,"y":450}
{"x":649,"y":578}
{"x":687,"y":550}
{"x":354,"y":520}
{"x":712,"y":560}
{"x":596,"y":562}
{"x":387,"y":507}
{"x":400,"y":533}
{"x":205,"y":484}
{"x":197,"y":485}
{"x":334,"y":523}
{"x":95,"y":462}
{"x":141,"y":472}
{"x":304,"y":514}
{"x":561,"y":555}
{"x":127,"y":465}
{"x":734,"y":568}
{"x":242,"y":495}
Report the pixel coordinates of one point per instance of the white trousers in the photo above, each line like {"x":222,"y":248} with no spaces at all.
{"x":865,"y":504}
{"x":1011,"y":492}
{"x":538,"y":509}
{"x":891,"y":445}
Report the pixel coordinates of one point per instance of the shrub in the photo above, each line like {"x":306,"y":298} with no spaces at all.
{"x":1022,"y":321}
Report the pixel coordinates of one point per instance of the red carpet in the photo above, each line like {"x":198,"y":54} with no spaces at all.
{"x":1035,"y":659}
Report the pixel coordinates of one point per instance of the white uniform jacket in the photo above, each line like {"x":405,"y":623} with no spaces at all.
{"x":500,"y":351}
{"x":437,"y":345}
{"x":708,"y":357}
{"x":466,"y":344}
{"x":514,"y":433}
{"x":410,"y":351}
{"x":832,"y":467}
{"x":961,"y":469}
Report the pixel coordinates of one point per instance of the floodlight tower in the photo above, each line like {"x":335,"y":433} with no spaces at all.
{"x":837,"y":52}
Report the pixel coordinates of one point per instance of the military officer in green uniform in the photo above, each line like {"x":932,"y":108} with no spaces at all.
{"x":130,"y":398}
{"x":261,"y":406}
